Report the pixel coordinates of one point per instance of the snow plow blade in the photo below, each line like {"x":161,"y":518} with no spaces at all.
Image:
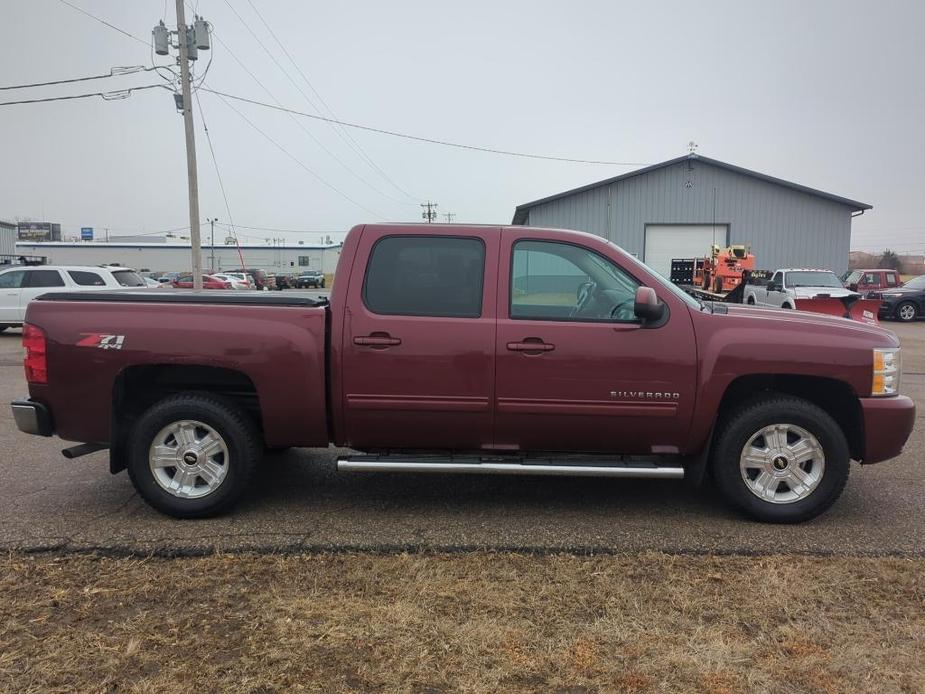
{"x":852,"y":307}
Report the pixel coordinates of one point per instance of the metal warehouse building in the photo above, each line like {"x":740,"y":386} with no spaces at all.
{"x":173,"y":257}
{"x":678,"y":208}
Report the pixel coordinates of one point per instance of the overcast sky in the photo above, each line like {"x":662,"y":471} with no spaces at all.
{"x":827,"y":94}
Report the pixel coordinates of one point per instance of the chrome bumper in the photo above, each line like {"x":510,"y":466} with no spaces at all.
{"x":32,"y":417}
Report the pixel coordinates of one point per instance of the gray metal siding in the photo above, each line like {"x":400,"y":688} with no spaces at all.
{"x":7,"y":242}
{"x":784,"y":227}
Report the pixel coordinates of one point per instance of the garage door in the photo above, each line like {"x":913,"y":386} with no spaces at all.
{"x":667,"y":241}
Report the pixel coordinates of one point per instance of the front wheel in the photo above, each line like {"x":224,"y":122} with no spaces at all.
{"x":781,"y":459}
{"x":193,"y":455}
{"x":907,"y":311}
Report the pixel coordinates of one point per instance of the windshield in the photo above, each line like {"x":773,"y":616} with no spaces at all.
{"x":853,"y":277}
{"x":813,"y":278}
{"x":670,"y":286}
{"x":917,"y":283}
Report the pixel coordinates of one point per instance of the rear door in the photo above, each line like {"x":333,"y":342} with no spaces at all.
{"x":418,"y":342}
{"x":576,"y":371}
{"x":36,"y":283}
{"x":10,"y":289}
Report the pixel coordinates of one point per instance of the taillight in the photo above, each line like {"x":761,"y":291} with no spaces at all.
{"x":36,"y":361}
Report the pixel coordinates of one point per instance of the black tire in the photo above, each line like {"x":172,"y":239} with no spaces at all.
{"x":910,"y":316}
{"x":737,"y":429}
{"x":322,"y":284}
{"x":238,"y":432}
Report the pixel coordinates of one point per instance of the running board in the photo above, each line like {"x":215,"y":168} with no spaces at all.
{"x":493,"y":466}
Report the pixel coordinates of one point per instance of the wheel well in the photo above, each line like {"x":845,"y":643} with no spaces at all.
{"x":835,"y":397}
{"x":139,"y":387}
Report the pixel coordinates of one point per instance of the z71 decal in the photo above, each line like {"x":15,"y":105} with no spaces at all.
{"x":101,"y":341}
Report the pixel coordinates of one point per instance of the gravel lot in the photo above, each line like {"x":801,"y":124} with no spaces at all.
{"x":301,"y":503}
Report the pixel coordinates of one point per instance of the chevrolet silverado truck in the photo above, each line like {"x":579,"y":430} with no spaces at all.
{"x":467,"y":349}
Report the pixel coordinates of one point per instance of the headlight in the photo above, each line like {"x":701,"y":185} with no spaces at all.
{"x":886,"y":372}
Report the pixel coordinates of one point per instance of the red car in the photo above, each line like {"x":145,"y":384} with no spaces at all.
{"x":467,"y":349}
{"x":208,"y":282}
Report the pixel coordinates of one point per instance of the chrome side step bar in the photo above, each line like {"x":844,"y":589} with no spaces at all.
{"x":492,"y":467}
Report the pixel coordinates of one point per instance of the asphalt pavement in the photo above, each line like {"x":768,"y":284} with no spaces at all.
{"x":300,"y":503}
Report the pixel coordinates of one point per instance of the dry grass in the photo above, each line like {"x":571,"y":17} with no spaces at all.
{"x":477,"y":622}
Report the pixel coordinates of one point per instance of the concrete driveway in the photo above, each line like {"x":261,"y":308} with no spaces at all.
{"x":299,"y":502}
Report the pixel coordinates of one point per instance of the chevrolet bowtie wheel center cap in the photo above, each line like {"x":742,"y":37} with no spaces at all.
{"x":780,"y":463}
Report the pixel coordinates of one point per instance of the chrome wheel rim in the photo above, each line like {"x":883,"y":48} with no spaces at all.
{"x":188,"y":459}
{"x":782,"y":463}
{"x":907,"y":312}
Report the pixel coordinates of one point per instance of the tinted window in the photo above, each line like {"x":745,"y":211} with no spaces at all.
{"x":12,"y":279}
{"x":43,"y":278}
{"x":561,"y":281}
{"x":425,"y":276}
{"x":86,"y":279}
{"x":777,"y":279}
{"x":128,"y":278}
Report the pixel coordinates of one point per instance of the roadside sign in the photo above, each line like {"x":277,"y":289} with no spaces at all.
{"x":86,"y":233}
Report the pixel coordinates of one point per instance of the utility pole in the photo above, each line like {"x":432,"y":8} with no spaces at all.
{"x":430,"y":212}
{"x":448,"y":216}
{"x":183,"y":38}
{"x":190,"y":40}
{"x":212,"y":245}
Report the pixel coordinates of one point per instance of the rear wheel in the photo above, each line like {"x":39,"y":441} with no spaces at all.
{"x":907,"y":311}
{"x":781,"y":459}
{"x":193,"y":455}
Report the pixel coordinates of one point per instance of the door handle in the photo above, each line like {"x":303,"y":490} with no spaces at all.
{"x":530,"y":344}
{"x":377,"y":340}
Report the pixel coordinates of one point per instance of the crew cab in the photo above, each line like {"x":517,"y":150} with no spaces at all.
{"x":789,"y":285}
{"x":872,"y":282}
{"x":467,"y":349}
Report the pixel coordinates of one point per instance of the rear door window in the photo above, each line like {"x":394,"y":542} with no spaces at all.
{"x":891,"y":279}
{"x":43,"y":278}
{"x":128,"y":278}
{"x":85,"y":278}
{"x":425,"y":276}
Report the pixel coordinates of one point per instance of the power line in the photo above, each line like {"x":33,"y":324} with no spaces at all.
{"x":118,"y":71}
{"x":108,"y":96}
{"x":296,"y":121}
{"x":341,"y":131}
{"x":297,"y":160}
{"x":416,"y":138}
{"x":104,"y":22}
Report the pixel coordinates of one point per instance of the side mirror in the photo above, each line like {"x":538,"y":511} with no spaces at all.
{"x":646,"y":307}
{"x":772,"y":287}
{"x":853,"y":286}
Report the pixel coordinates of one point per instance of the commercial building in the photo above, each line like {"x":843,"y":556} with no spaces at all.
{"x":679,"y":208}
{"x":175,"y":257}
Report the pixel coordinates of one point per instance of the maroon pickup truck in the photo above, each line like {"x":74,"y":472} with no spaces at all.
{"x":467,"y":349}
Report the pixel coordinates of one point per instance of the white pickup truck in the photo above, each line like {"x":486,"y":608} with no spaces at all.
{"x":789,"y":284}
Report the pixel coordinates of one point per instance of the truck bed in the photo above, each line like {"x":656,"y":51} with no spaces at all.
{"x":108,"y":351}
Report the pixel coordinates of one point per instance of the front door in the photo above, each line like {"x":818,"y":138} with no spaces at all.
{"x":10,"y":289}
{"x":418,"y":342}
{"x":576,"y":371}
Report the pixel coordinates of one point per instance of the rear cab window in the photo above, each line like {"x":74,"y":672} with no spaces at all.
{"x":438,"y":276}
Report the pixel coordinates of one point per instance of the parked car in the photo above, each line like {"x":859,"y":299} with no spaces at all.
{"x":905,"y":303}
{"x":788,"y":285}
{"x":310,"y":279}
{"x":208,"y":282}
{"x":446,"y":349}
{"x":282,"y":282}
{"x":262,"y":280}
{"x":21,"y":284}
{"x":235,"y":280}
{"x":872,"y":282}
